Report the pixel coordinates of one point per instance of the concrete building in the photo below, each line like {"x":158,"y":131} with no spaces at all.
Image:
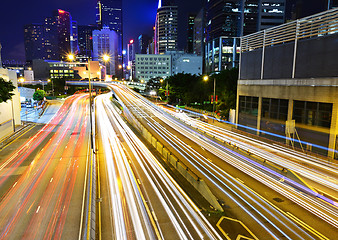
{"x":166,"y":27}
{"x":149,"y":66}
{"x":105,"y":41}
{"x":182,"y":62}
{"x":10,"y":110}
{"x":289,"y":76}
{"x":188,"y":63}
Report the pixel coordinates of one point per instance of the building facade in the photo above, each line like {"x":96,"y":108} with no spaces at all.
{"x":53,"y":40}
{"x":34,"y":38}
{"x":148,"y":66}
{"x":226,"y":21}
{"x":105,"y":41}
{"x":292,"y":81}
{"x":190,"y":31}
{"x":109,"y":14}
{"x":166,"y":28}
{"x":85,"y":39}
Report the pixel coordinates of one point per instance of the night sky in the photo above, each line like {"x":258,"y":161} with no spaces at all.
{"x":138,"y":17}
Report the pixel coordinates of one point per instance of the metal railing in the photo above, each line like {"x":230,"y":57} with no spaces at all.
{"x":317,"y":25}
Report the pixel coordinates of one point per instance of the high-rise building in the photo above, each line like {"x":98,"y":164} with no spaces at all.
{"x":166,"y":27}
{"x":105,"y":41}
{"x":272,"y":13}
{"x":85,"y":39}
{"x":63,"y":31}
{"x":228,"y":20}
{"x":54,"y":39}
{"x":34,"y":42}
{"x":190,"y":37}
{"x":109,"y":14}
{"x":74,"y":41}
{"x":199,"y":25}
{"x":143,"y":43}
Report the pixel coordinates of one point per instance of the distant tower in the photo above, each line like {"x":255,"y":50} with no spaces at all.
{"x":166,"y":27}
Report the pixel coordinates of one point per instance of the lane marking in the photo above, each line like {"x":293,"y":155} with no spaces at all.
{"x":37,"y":209}
{"x":14,"y":184}
{"x":51,"y":180}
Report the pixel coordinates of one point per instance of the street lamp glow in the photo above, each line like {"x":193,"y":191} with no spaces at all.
{"x":206,"y":78}
{"x":71,"y":57}
{"x":21,"y":80}
{"x":106,"y":57}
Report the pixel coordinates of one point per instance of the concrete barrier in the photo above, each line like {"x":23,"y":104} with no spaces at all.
{"x":159,"y":148}
{"x":190,"y":176}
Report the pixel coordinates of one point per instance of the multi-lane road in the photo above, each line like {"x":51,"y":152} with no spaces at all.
{"x":42,"y":182}
{"x":266,"y":201}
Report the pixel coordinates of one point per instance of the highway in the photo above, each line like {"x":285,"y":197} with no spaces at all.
{"x":262,"y":199}
{"x":141,"y":200}
{"x":320,"y":174}
{"x":42,"y":182}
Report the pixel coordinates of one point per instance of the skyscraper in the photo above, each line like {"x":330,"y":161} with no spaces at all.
{"x":64,"y":32}
{"x":34,"y":42}
{"x":105,"y":41}
{"x":166,"y":27}
{"x":272,"y":13}
{"x":85,"y":39}
{"x":190,"y":37}
{"x":109,"y":14}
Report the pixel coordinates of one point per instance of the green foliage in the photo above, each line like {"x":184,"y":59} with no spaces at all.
{"x":38,"y":95}
{"x":6,"y":90}
{"x":189,"y":89}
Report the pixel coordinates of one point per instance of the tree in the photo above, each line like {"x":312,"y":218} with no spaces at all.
{"x":6,"y":90}
{"x":39,"y":95}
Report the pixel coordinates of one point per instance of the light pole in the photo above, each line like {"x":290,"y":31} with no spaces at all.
{"x":206,"y":78}
{"x":71,"y":57}
{"x":49,"y":80}
{"x":106,"y":58}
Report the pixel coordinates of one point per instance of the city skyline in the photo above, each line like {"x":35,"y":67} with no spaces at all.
{"x":12,"y":39}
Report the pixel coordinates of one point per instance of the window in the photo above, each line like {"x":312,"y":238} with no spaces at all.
{"x":275,"y":108}
{"x":313,"y":113}
{"x":248,"y":105}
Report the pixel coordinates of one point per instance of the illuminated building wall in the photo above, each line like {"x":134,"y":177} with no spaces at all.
{"x":166,"y":28}
{"x":105,"y":41}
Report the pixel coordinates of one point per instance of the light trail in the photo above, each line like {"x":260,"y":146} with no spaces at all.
{"x":159,"y":179}
{"x":323,"y":211}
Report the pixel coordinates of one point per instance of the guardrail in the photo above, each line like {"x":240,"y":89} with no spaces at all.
{"x":317,"y":25}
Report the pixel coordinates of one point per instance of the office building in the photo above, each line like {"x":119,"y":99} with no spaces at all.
{"x":148,"y":66}
{"x":143,"y":43}
{"x":190,"y":35}
{"x":227,"y":21}
{"x":54,"y":39}
{"x":74,"y":40}
{"x":199,"y":26}
{"x":109,"y":14}
{"x":34,"y":42}
{"x":85,"y":39}
{"x":166,"y":27}
{"x":272,"y":13}
{"x":105,"y":41}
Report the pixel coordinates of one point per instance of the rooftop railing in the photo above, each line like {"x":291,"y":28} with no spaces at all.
{"x":318,"y":25}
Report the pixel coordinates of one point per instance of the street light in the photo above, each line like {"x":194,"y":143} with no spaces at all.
{"x":52,"y":85}
{"x":21,"y":80}
{"x":71,"y":57}
{"x":105,"y":58}
{"x":206,"y":78}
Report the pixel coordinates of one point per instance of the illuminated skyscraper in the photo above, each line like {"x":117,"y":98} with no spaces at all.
{"x":105,"y":43}
{"x":109,"y":13}
{"x":166,"y":27}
